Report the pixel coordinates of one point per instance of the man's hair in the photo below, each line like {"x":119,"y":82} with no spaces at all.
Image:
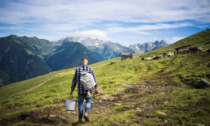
{"x":83,"y":59}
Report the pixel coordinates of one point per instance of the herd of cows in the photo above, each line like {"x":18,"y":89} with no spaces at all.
{"x":180,"y":50}
{"x":190,"y":50}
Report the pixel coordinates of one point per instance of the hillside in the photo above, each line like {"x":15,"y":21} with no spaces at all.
{"x":18,"y":62}
{"x":136,"y":92}
{"x":41,"y":47}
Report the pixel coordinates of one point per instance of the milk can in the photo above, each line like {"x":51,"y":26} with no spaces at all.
{"x":70,"y":104}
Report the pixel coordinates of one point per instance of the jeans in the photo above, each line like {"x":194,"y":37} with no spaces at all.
{"x":81,"y":98}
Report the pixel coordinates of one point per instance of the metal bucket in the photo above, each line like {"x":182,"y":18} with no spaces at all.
{"x":70,"y":104}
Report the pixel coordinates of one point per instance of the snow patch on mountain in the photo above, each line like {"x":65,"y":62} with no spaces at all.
{"x":147,"y":46}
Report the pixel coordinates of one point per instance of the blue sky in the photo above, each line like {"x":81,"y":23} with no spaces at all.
{"x":123,"y":21}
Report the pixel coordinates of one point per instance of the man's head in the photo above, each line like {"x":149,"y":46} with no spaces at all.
{"x":84,"y":61}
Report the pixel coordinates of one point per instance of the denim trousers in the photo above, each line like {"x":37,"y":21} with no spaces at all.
{"x":81,"y":98}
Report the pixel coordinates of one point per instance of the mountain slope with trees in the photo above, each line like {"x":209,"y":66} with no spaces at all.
{"x":69,"y":55}
{"x":18,"y":62}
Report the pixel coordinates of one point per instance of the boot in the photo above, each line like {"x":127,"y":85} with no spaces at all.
{"x":86,"y":116}
{"x":80,"y":120}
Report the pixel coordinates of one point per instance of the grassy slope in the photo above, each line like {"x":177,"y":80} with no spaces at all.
{"x":185,"y":105}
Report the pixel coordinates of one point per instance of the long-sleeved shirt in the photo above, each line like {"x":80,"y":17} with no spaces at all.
{"x":76,"y":79}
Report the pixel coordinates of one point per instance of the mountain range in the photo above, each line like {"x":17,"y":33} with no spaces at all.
{"x":147,"y":46}
{"x":27,"y":57}
{"x":102,"y":49}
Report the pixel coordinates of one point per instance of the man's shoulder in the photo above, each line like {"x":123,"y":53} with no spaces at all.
{"x":77,"y":69}
{"x":90,"y":68}
{"x":81,"y":67}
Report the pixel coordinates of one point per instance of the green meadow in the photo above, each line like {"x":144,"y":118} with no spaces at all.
{"x":166,"y":91}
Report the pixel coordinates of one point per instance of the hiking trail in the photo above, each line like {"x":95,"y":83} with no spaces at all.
{"x":36,"y":86}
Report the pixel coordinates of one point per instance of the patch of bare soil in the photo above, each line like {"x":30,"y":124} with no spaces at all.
{"x":136,"y":100}
{"x":57,"y":115}
{"x":44,"y":116}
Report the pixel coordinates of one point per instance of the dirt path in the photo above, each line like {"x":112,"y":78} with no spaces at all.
{"x":34,"y":87}
{"x":168,"y":64}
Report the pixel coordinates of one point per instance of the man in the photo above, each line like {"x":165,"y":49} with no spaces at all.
{"x":83,"y":94}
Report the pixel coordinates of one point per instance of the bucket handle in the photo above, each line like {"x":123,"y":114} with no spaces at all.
{"x":71,"y":96}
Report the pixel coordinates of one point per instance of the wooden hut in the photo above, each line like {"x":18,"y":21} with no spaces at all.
{"x":127,"y":55}
{"x":178,"y":50}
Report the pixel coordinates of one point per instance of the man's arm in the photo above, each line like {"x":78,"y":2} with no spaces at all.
{"x":96,"y":86}
{"x":94,"y":78}
{"x":74,"y":82}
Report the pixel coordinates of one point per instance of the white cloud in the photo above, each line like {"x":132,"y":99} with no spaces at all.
{"x":55,"y":17}
{"x":148,"y":27}
{"x":175,"y":39}
{"x":89,"y":12}
{"x":93,"y":34}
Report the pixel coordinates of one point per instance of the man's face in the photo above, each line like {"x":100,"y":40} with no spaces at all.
{"x":84,"y":62}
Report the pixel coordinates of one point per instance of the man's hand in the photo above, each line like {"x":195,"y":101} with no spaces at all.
{"x":71,"y":93}
{"x":88,"y":94}
{"x":97,"y":90}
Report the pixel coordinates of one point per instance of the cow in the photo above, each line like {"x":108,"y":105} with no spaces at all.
{"x":156,"y":57}
{"x":199,"y":50}
{"x":148,"y":58}
{"x":193,"y":49}
{"x":185,"y":51}
{"x":181,"y":52}
{"x":188,"y":51}
{"x":208,"y":51}
{"x":170,"y":54}
{"x":164,"y":54}
{"x":113,"y":62}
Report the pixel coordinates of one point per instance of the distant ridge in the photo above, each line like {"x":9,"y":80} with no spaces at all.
{"x":147,"y":46}
{"x":102,"y":49}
